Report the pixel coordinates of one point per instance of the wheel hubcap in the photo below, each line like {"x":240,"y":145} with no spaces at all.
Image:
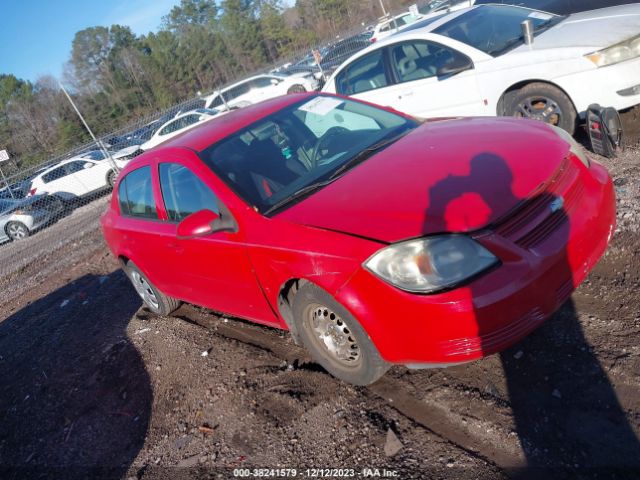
{"x":333,"y":335}
{"x":144,"y":290}
{"x":540,"y":108}
{"x":17,"y":231}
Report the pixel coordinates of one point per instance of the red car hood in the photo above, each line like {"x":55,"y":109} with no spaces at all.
{"x":446,"y":176}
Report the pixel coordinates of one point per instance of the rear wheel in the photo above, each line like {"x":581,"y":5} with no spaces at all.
{"x":541,"y":101}
{"x":334,"y":337}
{"x":111,"y":178}
{"x":17,"y":230}
{"x":296,"y":89}
{"x":158,"y":302}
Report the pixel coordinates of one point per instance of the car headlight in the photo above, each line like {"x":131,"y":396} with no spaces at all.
{"x":430,"y":264}
{"x":616,"y":53}
{"x":574,"y":146}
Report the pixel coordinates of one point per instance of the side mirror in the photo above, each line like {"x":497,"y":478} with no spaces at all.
{"x":458,"y":64}
{"x":197,"y":224}
{"x":88,"y":165}
{"x":274,"y":81}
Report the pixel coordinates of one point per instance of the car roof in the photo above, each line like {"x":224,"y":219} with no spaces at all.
{"x":222,"y":126}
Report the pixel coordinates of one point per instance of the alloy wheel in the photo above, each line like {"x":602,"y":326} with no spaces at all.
{"x":17,"y":231}
{"x":540,"y":108}
{"x":144,"y":289}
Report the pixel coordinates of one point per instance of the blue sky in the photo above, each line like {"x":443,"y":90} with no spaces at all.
{"x":36,"y":35}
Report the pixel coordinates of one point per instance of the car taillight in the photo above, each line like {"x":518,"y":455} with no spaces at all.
{"x":373,"y":40}
{"x":32,"y":192}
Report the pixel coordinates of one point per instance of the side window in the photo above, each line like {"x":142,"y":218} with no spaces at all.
{"x":172,"y":127}
{"x":135,"y":194}
{"x":54,"y":174}
{"x":183,"y":192}
{"x":420,"y":59}
{"x":366,"y":73}
{"x":262,"y":82}
{"x":237,"y":91}
{"x":73,"y":167}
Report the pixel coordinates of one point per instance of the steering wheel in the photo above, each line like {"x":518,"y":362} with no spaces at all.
{"x":322,"y":142}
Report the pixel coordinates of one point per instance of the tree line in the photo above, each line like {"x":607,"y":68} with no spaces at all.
{"x":116,"y":76}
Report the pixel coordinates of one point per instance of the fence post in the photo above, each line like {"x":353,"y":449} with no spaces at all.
{"x":101,"y":146}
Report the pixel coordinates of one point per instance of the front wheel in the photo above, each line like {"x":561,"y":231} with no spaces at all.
{"x":334,"y":338}
{"x":17,"y":230}
{"x":541,"y":101}
{"x":296,"y":89}
{"x":158,"y":302}
{"x":111,"y":178}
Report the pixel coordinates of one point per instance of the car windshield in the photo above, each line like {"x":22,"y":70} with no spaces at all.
{"x":302,"y":147}
{"x":495,"y":29}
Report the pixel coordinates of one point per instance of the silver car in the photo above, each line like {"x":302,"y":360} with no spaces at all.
{"x":18,"y":218}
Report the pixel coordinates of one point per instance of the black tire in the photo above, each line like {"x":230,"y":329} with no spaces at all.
{"x":363,"y":365}
{"x":154,"y":299}
{"x":111,"y":178}
{"x":17,"y":231}
{"x":297,"y":88}
{"x":544,"y":102}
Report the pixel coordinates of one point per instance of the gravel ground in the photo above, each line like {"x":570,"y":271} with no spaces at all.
{"x":96,"y":387}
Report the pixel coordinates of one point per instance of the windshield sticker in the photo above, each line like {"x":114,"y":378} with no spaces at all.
{"x":540,"y":15}
{"x":321,"y":105}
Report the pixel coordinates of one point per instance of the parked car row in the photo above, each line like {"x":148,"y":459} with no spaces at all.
{"x":476,"y":61}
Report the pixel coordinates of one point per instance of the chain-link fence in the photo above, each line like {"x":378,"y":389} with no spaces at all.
{"x":47,"y":205}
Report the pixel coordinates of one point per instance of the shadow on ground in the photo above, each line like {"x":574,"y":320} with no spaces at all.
{"x":76,"y":397}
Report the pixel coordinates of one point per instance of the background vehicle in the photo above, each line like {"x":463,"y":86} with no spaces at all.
{"x":179,"y":124}
{"x":75,"y":178}
{"x":392,"y":25}
{"x":474,"y":62}
{"x":18,"y":218}
{"x":330,"y":218}
{"x":262,"y":87}
{"x":561,"y":7}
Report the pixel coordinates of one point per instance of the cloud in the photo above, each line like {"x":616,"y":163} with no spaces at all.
{"x":143,"y":16}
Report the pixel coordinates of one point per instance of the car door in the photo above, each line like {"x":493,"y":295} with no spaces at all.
{"x":213,"y":270}
{"x":420,"y":87}
{"x":263,"y":88}
{"x":90,"y":178}
{"x":62,"y":182}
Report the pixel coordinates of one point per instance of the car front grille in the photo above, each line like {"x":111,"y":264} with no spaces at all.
{"x":539,"y":217}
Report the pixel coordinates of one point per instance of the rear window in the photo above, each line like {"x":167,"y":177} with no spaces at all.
{"x":135,"y":194}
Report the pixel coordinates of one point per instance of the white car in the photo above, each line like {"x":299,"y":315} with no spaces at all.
{"x":179,"y":124}
{"x":74,"y":178}
{"x":392,"y":25}
{"x":475,"y":62}
{"x":261,"y":87}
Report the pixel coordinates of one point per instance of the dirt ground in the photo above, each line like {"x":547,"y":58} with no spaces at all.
{"x":93,"y":386}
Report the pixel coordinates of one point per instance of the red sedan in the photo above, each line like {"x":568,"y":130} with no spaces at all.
{"x":376,"y":239}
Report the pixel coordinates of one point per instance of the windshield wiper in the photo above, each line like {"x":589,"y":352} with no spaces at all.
{"x":297,"y":194}
{"x":358,"y":158}
{"x":366,"y":153}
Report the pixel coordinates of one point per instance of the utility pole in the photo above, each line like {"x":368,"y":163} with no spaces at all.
{"x":101,"y":146}
{"x":384,"y":10}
